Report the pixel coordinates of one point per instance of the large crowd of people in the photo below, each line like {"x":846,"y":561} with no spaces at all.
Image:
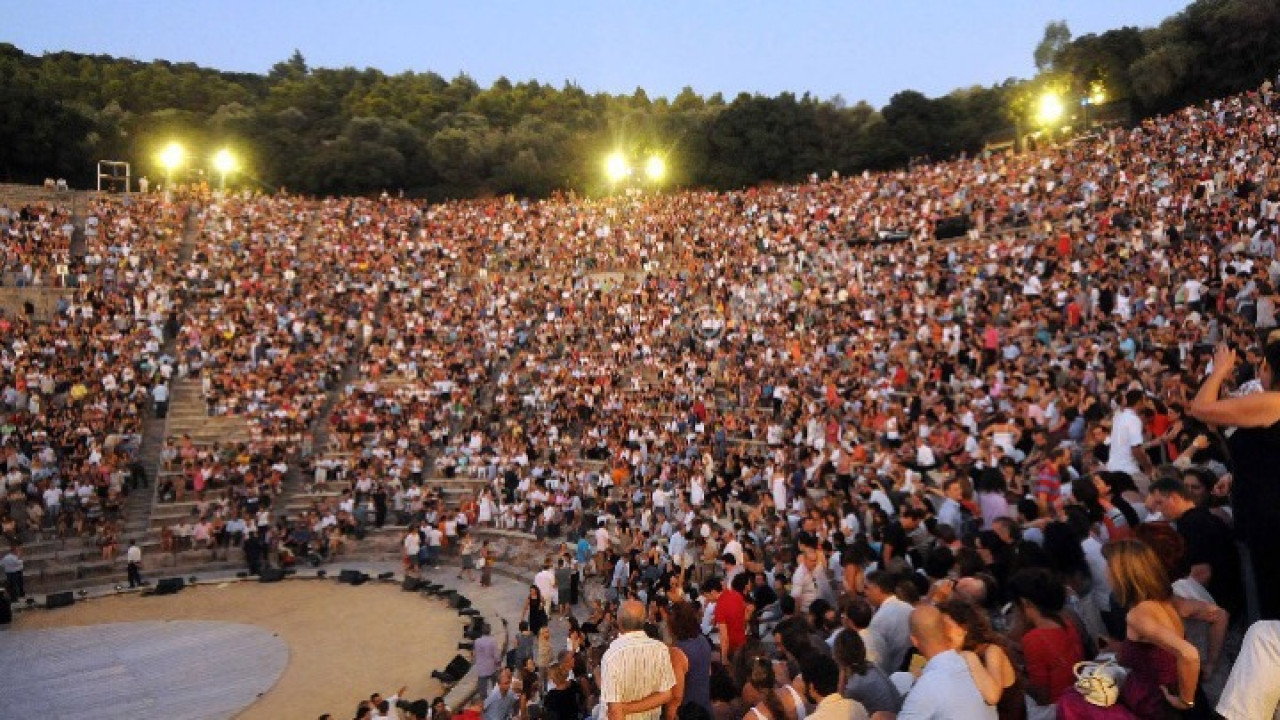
{"x":987,"y":458}
{"x":75,"y":389}
{"x":855,"y":454}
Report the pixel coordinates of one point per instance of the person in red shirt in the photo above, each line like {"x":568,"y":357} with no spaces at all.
{"x":1074,"y":314}
{"x":730,"y":614}
{"x":1064,"y":245}
{"x":1051,"y":646}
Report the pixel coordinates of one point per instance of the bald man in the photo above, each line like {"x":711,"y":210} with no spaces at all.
{"x":945,"y":689}
{"x":636,"y":676}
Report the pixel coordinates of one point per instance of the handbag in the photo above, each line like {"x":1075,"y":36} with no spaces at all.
{"x":1099,"y":683}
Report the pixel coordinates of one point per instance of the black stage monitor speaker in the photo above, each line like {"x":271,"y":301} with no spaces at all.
{"x":271,"y":575}
{"x":352,"y":577}
{"x":57,"y":600}
{"x":457,"y":668}
{"x":170,"y":586}
{"x":411,"y":584}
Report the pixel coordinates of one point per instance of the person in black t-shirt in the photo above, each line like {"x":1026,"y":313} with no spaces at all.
{"x":1210,"y":558}
{"x":896,"y":541}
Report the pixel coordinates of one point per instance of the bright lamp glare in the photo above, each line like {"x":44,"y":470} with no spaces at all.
{"x":655,"y":168}
{"x":172,"y":155}
{"x":615,"y":166}
{"x":224,"y":161}
{"x":1050,"y":109}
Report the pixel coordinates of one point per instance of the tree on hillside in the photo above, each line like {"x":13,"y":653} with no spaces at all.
{"x":1056,"y":37}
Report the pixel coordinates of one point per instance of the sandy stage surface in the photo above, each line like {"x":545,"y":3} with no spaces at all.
{"x":345,"y":642}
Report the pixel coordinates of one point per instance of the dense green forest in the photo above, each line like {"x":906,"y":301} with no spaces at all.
{"x":350,"y":131}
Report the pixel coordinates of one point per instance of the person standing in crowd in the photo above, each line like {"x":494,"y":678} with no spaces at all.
{"x":254,"y":552}
{"x":411,"y":546}
{"x":160,"y":396}
{"x":545,"y":579}
{"x":636,"y":676}
{"x":1126,"y":443}
{"x":731,"y":617}
{"x":12,"y":564}
{"x":1255,"y":454}
{"x":683,"y":625}
{"x":535,"y":612}
{"x":500,"y":702}
{"x":133,"y":556}
{"x":487,"y":658}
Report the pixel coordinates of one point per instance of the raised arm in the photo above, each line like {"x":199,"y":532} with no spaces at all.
{"x":1254,"y":410}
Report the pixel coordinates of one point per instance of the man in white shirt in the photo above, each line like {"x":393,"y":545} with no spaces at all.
{"x":804,"y":581}
{"x":733,"y":547}
{"x":134,"y":558}
{"x":545,"y":580}
{"x":946,"y":688}
{"x":412,"y":545}
{"x":160,"y":394}
{"x":52,"y":503}
{"x":434,"y":539}
{"x":1127,"y":455}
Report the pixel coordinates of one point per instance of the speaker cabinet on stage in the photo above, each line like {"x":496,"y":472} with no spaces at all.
{"x":352,"y":577}
{"x":58,"y":600}
{"x":270,"y":575}
{"x":411,"y":584}
{"x":170,"y":586}
{"x":457,"y":668}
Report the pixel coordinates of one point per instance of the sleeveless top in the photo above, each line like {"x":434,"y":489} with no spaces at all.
{"x":697,"y":680}
{"x":1150,"y":667}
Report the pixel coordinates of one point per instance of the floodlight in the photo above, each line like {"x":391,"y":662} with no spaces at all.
{"x":172,"y":156}
{"x":224,"y":161}
{"x":655,"y":168}
{"x":615,"y":166}
{"x":1050,"y":109}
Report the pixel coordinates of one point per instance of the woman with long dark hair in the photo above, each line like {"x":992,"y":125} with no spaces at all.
{"x":971,"y":632}
{"x":534,"y":611}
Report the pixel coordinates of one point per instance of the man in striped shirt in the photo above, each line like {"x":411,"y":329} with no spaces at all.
{"x":636,"y":676}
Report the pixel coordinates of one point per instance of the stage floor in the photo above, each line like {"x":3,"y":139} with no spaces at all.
{"x":297,"y":648}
